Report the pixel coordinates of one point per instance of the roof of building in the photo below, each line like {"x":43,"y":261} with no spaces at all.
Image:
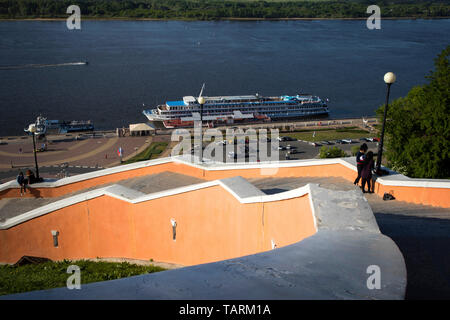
{"x":141,"y":127}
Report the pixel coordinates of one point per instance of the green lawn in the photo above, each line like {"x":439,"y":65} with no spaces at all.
{"x":153,"y":151}
{"x":49,"y":275}
{"x":327,"y":134}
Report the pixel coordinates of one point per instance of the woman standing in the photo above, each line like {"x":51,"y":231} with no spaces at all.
{"x":366,"y":172}
{"x":360,"y":161}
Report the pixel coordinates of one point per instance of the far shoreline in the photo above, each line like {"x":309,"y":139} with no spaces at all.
{"x":219,"y":19}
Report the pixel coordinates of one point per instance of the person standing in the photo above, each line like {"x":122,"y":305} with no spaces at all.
{"x":22,"y":183}
{"x":360,"y":161}
{"x":366,"y":173}
{"x":30,"y":177}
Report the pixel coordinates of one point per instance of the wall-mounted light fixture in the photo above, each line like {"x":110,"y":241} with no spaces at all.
{"x":55,"y":235}
{"x":174,"y":229}
{"x":274,"y":245}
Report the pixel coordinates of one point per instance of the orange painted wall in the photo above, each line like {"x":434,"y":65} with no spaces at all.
{"x":211,"y":225}
{"x":329,"y":170}
{"x":439,"y":197}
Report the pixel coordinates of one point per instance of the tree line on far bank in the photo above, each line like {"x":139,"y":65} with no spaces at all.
{"x":215,"y":9}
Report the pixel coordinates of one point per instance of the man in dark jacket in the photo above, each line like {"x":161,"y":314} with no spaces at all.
{"x":360,"y":161}
{"x":366,"y":173}
{"x":22,"y":183}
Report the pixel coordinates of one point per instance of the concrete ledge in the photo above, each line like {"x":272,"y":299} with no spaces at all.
{"x":328,"y":265}
{"x":394,"y":179}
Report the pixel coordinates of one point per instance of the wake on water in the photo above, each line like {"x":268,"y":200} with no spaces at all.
{"x":24,"y":66}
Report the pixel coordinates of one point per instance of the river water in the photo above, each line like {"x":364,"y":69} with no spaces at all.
{"x":132,"y":63}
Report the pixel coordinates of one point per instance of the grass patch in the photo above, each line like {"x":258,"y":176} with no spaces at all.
{"x":328,"y":134}
{"x":152,"y":152}
{"x":50,"y":274}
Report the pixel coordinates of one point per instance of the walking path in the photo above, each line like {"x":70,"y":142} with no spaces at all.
{"x":11,"y":207}
{"x":100,"y":151}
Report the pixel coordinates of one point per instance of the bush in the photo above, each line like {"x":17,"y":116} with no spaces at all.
{"x":417,"y":137}
{"x":47,"y":275}
{"x":355,"y":150}
{"x":332,"y":152}
{"x":153,"y":151}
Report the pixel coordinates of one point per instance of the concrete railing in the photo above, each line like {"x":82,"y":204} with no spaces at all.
{"x":425,"y":191}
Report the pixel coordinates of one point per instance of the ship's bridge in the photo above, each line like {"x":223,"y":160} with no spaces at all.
{"x":174,"y":105}
{"x":189,"y":100}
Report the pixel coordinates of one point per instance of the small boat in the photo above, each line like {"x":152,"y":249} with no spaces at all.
{"x":44,"y":126}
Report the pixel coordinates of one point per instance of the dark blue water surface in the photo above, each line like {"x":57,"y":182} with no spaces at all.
{"x":136,"y":62}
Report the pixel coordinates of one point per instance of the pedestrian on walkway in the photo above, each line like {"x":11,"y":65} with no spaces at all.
{"x":22,"y":183}
{"x":360,"y":161}
{"x":366,"y":173}
{"x":30,"y":177}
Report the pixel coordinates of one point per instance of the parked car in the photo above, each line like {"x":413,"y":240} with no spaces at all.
{"x":281,"y":148}
{"x":324,"y":142}
{"x":292,"y":151}
{"x":376,"y":139}
{"x":347,"y":140}
{"x":231,"y":154}
{"x":315,"y":144}
{"x":340,"y":142}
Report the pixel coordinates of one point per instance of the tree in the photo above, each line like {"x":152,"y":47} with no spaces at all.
{"x":417,"y":128}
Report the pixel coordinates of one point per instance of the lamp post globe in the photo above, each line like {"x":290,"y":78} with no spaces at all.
{"x":32,"y":128}
{"x":389,"y":78}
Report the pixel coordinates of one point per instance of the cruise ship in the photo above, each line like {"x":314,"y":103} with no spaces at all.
{"x":235,"y":109}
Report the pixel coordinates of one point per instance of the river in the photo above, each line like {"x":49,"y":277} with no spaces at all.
{"x":132,"y":63}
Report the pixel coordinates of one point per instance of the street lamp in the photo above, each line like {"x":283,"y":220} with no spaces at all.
{"x":32,"y":129}
{"x":389,"y":78}
{"x":201,"y":101}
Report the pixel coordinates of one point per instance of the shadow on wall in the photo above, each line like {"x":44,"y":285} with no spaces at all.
{"x":35,"y":192}
{"x":424,"y":243}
